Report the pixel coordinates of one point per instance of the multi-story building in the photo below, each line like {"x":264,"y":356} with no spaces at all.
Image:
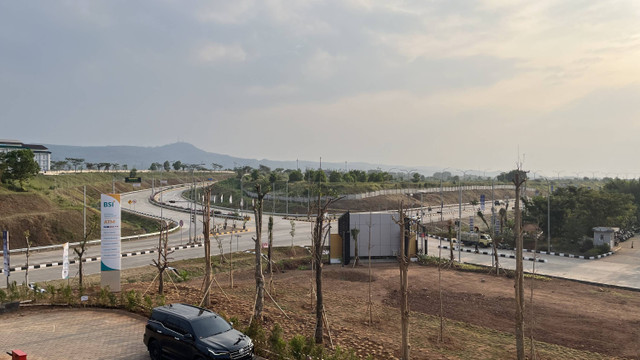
{"x":41,"y":154}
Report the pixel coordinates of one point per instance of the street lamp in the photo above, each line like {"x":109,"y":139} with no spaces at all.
{"x":441,"y":200}
{"x":464,"y":173}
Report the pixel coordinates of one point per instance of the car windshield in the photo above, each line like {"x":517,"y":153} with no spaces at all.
{"x":209,"y":326}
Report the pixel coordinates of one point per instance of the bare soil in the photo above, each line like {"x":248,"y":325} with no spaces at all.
{"x":476,"y":307}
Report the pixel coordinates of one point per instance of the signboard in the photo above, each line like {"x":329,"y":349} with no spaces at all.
{"x":181,"y":223}
{"x":163,"y":182}
{"x":470,"y":223}
{"x":482,"y":199}
{"x":5,"y":252}
{"x":110,"y":263}
{"x":134,"y":180}
{"x":136,"y":185}
{"x":65,"y":260}
{"x":265,"y":245}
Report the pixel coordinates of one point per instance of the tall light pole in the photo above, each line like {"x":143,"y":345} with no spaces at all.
{"x":460,"y":214}
{"x":548,"y":214}
{"x":441,"y":200}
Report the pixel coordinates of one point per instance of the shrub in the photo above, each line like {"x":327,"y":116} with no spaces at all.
{"x":3,"y":296}
{"x":257,"y":334}
{"x":131,"y":299}
{"x":277,"y":345}
{"x":148,"y":302}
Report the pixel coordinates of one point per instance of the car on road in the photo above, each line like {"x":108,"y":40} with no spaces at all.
{"x":181,"y":332}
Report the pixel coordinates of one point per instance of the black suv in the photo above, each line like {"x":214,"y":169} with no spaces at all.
{"x":180,"y":331}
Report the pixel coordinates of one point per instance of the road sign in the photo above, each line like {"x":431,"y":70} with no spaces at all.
{"x":181,"y":223}
{"x":482,"y":198}
{"x":133,"y":179}
{"x":130,"y":202}
{"x":265,"y":245}
{"x":471,"y":223}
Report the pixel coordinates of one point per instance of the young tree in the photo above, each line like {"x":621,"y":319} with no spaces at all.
{"x":270,"y":244}
{"x":207,"y":245}
{"x":26,"y":272}
{"x":519,"y":179}
{"x":318,"y":238}
{"x":166,"y":165}
{"x":257,"y":212}
{"x":403,"y":262}
{"x":163,"y":255}
{"x":354,"y":235}
{"x":82,"y":246}
{"x":494,"y":244}
{"x":293,"y":231}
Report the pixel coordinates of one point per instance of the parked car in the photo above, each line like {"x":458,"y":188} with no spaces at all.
{"x":181,"y":332}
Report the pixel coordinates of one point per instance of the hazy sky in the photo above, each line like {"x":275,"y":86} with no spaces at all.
{"x":460,"y":84}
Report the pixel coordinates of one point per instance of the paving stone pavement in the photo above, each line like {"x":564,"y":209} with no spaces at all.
{"x":62,"y":334}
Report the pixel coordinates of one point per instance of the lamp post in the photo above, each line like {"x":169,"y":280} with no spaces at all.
{"x":441,"y":200}
{"x":460,"y":214}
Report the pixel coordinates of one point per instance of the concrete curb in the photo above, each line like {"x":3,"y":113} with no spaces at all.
{"x":499,"y":254}
{"x":570,"y":255}
{"x":541,"y":252}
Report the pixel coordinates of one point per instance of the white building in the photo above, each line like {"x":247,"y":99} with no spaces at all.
{"x":604,"y":235}
{"x":41,"y":154}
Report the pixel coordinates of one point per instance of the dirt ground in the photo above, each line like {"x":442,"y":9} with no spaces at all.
{"x":570,"y":314}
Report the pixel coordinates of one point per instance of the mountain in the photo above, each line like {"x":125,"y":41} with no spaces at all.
{"x":141,"y":158}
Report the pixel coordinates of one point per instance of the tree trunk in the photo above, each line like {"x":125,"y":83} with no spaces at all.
{"x":317,"y":257}
{"x":404,"y":285}
{"x":519,"y":285}
{"x":270,"y":229}
{"x":257,"y":211}
{"x":207,"y":247}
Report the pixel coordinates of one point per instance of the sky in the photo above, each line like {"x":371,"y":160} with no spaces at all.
{"x":454,"y":84}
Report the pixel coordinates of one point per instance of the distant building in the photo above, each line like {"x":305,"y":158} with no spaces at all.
{"x":604,"y":235}
{"x":41,"y":154}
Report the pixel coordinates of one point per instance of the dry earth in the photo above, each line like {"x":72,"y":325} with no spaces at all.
{"x":571,"y":314}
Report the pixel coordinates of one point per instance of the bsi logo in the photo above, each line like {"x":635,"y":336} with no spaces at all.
{"x":108,"y":204}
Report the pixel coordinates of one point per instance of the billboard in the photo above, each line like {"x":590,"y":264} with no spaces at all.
{"x":110,"y":264}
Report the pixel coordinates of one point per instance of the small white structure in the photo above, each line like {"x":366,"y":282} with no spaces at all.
{"x":604,"y":235}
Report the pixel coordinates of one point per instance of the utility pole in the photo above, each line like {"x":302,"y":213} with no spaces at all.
{"x":460,"y":221}
{"x":287,"y":186}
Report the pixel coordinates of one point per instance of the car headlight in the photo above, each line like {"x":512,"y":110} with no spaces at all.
{"x":218,"y":352}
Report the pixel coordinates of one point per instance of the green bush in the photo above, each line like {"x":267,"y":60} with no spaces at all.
{"x":148,"y":302}
{"x":3,"y":296}
{"x":257,"y":334}
{"x":131,"y":300}
{"x":66,"y":293}
{"x":277,"y":345}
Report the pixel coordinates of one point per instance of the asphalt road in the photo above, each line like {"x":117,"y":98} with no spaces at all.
{"x":622,"y":269}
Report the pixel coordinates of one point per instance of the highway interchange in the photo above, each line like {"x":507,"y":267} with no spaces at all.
{"x":621,"y":269}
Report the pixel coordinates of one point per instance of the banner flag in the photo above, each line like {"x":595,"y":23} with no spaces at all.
{"x":65,"y":260}
{"x":5,"y":252}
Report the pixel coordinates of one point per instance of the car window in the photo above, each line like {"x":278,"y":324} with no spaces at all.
{"x":175,"y":325}
{"x":209,"y":326}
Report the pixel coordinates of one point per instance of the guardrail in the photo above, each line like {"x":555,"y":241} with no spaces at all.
{"x":98,"y":241}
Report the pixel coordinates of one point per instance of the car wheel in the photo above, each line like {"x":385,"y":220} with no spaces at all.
{"x":155,"y":351}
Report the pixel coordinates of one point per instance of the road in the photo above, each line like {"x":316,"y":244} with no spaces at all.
{"x":622,"y":269}
{"x":241,"y":241}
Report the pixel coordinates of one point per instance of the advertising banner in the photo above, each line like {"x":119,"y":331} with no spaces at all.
{"x":110,"y":263}
{"x":5,"y":251}
{"x":110,"y":232}
{"x":65,"y":260}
